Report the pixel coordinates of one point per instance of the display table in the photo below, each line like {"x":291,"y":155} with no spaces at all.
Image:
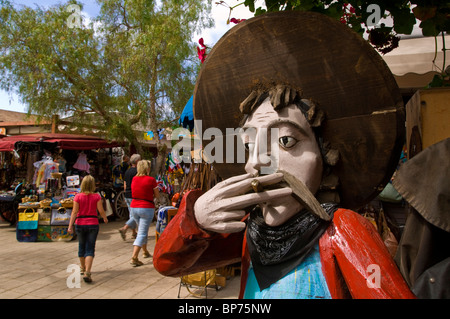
{"x":52,"y":225}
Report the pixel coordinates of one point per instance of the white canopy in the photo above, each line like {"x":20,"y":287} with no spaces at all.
{"x":412,"y":62}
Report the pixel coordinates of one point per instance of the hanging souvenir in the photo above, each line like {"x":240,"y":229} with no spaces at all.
{"x":82,"y":163}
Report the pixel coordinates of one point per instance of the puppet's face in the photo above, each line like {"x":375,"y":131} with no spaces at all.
{"x":284,"y":141}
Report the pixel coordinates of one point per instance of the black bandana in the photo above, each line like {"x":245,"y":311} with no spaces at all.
{"x":275,"y":251}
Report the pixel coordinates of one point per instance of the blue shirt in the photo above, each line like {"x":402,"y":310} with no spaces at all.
{"x":306,"y":281}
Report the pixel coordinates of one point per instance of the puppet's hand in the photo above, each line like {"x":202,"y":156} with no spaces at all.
{"x":221,"y":209}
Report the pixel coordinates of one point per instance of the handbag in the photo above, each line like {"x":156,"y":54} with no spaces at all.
{"x":386,"y":234}
{"x":107,"y":207}
{"x":27,"y":225}
{"x":28,"y":219}
{"x":44,"y":233}
{"x":379,"y":221}
{"x":60,"y":217}
{"x":60,"y":233}
{"x":45,"y":216}
{"x":26,"y":235}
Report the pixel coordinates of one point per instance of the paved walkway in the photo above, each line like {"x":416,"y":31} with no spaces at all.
{"x":39,"y":270}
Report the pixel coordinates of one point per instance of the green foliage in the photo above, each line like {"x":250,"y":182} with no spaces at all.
{"x":133,"y":63}
{"x":434,"y":17}
{"x":433,"y":14}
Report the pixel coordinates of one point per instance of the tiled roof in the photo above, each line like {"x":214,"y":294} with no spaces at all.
{"x":10,"y":117}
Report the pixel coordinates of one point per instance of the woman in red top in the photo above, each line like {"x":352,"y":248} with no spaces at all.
{"x":143,"y":188}
{"x":85,"y":206}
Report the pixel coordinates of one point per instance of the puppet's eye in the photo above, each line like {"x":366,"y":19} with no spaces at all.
{"x":249,"y":146}
{"x":287,"y":141}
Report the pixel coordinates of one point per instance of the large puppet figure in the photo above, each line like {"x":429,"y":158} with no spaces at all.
{"x":322,"y":123}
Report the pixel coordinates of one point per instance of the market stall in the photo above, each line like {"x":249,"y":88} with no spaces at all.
{"x":50,"y":167}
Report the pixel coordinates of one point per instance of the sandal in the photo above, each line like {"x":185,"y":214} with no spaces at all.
{"x":136,"y":262}
{"x":123,"y":233}
{"x":146,"y":254}
{"x":87,"y":277}
{"x":82,"y":270}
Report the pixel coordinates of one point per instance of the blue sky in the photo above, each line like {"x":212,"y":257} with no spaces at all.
{"x":91,"y":9}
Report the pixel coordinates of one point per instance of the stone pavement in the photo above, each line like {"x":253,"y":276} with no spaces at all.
{"x":39,"y":270}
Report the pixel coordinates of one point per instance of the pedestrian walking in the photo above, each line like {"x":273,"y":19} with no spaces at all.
{"x":84,"y":216}
{"x":144,"y":190}
{"x":128,"y":178}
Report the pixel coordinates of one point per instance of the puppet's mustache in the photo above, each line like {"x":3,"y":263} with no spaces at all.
{"x":299,"y":191}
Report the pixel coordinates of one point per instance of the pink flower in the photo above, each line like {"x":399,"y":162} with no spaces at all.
{"x":236,"y":21}
{"x":201,"y":43}
{"x":349,"y":11}
{"x":201,"y":52}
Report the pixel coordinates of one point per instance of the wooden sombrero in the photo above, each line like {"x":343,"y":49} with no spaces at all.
{"x":334,"y":67}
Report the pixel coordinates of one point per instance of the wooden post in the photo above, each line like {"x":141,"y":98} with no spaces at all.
{"x":55,"y":119}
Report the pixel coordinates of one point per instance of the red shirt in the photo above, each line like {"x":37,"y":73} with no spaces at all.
{"x":88,"y":207}
{"x":142,"y":192}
